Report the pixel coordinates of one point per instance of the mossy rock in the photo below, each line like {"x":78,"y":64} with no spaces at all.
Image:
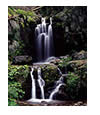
{"x":77,"y":65}
{"x":80,"y":55}
{"x":24,"y":59}
{"x":50,"y":74}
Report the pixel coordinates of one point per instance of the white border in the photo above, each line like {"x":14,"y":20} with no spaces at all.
{"x":47,"y":2}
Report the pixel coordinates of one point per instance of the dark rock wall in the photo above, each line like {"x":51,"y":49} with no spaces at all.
{"x":70,"y":30}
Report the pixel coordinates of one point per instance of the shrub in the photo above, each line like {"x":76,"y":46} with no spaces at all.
{"x":64,"y":62}
{"x":72,"y":82}
{"x":16,"y":76}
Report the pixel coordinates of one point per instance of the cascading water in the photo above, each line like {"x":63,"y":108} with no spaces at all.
{"x":55,"y":91}
{"x":44,"y":40}
{"x":45,"y":53}
{"x":59,"y":83}
{"x":33,"y":85}
{"x":59,"y":71}
{"x":41,"y":83}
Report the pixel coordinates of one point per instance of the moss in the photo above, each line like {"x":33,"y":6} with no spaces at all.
{"x":50,"y":74}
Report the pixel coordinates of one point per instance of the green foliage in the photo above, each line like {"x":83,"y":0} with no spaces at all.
{"x":72,"y":80}
{"x":72,"y":83}
{"x":30,"y":14}
{"x":50,"y":74}
{"x":30,"y":19}
{"x":12,"y":102}
{"x":9,"y":14}
{"x":16,"y":76}
{"x":11,"y":11}
{"x":15,"y":90}
{"x":17,"y":71}
{"x":26,"y":13}
{"x":9,"y":62}
{"x":64,"y":62}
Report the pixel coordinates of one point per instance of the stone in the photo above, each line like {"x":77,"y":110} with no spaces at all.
{"x":78,"y":103}
{"x":14,"y":24}
{"x":12,"y":47}
{"x":80,"y":55}
{"x":24,"y":59}
{"x":56,"y":61}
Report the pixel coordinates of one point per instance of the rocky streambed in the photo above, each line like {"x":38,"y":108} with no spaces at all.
{"x":52,"y":103}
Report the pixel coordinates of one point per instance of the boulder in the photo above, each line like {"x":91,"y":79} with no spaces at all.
{"x":80,"y":55}
{"x":24,"y":59}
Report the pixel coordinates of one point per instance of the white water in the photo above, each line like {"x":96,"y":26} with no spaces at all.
{"x":44,"y":40}
{"x":33,"y":85}
{"x":59,"y":71}
{"x":55,"y":91}
{"x":50,"y":59}
{"x":41,"y":83}
{"x":59,"y":83}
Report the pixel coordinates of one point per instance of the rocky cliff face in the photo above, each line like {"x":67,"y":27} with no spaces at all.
{"x":21,"y":27}
{"x":71,"y":24}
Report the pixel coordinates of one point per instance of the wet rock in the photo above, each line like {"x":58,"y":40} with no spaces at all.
{"x":62,"y":57}
{"x":25,"y":59}
{"x":77,"y":65}
{"x":14,"y":24}
{"x":78,"y":103}
{"x":56,"y":61}
{"x":80,"y":55}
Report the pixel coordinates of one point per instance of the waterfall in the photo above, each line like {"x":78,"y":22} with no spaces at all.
{"x":55,"y":91}
{"x":59,"y":83}
{"x":45,"y":53}
{"x":41,"y":83}
{"x":33,"y":85}
{"x":44,"y":40}
{"x":59,"y":71}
